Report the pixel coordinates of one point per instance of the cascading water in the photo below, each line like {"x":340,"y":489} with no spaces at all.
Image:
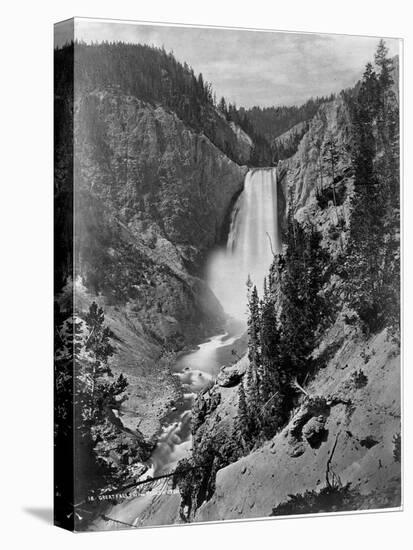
{"x":252,"y":239}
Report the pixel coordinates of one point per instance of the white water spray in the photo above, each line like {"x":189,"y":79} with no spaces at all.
{"x":252,"y":239}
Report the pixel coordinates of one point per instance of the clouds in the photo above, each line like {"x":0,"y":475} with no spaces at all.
{"x":252,"y":67}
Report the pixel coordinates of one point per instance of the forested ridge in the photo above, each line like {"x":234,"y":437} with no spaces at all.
{"x":154,"y":75}
{"x":148,"y":73}
{"x":271,"y":122}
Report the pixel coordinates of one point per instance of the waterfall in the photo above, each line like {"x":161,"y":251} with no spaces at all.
{"x":254,"y":228}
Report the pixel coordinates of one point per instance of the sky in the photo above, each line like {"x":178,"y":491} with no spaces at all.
{"x":247,"y":67}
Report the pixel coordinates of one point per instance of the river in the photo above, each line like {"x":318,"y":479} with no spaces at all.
{"x":197,"y":370}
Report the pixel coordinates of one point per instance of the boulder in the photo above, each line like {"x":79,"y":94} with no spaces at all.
{"x":230,"y":376}
{"x":314,"y":431}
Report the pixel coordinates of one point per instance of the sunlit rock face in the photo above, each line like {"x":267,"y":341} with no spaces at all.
{"x":301,"y":173}
{"x":252,"y":241}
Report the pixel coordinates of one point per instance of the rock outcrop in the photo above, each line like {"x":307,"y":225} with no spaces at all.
{"x":301,"y":175}
{"x":302,"y":170}
{"x":171,"y":186}
{"x":231,"y":375}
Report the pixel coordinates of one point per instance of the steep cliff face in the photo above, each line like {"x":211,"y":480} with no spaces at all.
{"x":308,"y":172}
{"x":231,"y":138}
{"x":303,"y":170}
{"x":165,"y":181}
{"x":285,"y":145}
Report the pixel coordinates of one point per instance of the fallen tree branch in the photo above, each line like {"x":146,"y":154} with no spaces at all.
{"x":269,"y":238}
{"x":296,"y":385}
{"x":130,"y":486}
{"x":270,"y":399}
{"x":107,"y":518}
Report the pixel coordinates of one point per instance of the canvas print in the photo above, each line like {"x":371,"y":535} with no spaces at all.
{"x":227,"y":274}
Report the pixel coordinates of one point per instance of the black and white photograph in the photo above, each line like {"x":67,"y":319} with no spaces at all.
{"x":227,"y":274}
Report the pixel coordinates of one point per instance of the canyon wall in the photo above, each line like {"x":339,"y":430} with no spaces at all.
{"x":152,"y":198}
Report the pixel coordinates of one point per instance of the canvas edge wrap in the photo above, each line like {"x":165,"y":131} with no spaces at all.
{"x":64,"y":513}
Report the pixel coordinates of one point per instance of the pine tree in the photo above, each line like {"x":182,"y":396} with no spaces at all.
{"x":265,"y":290}
{"x":385,"y":65}
{"x":373,"y":251}
{"x":242,"y":419}
{"x":87,"y":395}
{"x":254,"y":343}
{"x":223,"y":106}
{"x":275,"y":381}
{"x":254,"y":326}
{"x":252,"y":376}
{"x":253,"y":401}
{"x":270,"y":347}
{"x":302,"y":305}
